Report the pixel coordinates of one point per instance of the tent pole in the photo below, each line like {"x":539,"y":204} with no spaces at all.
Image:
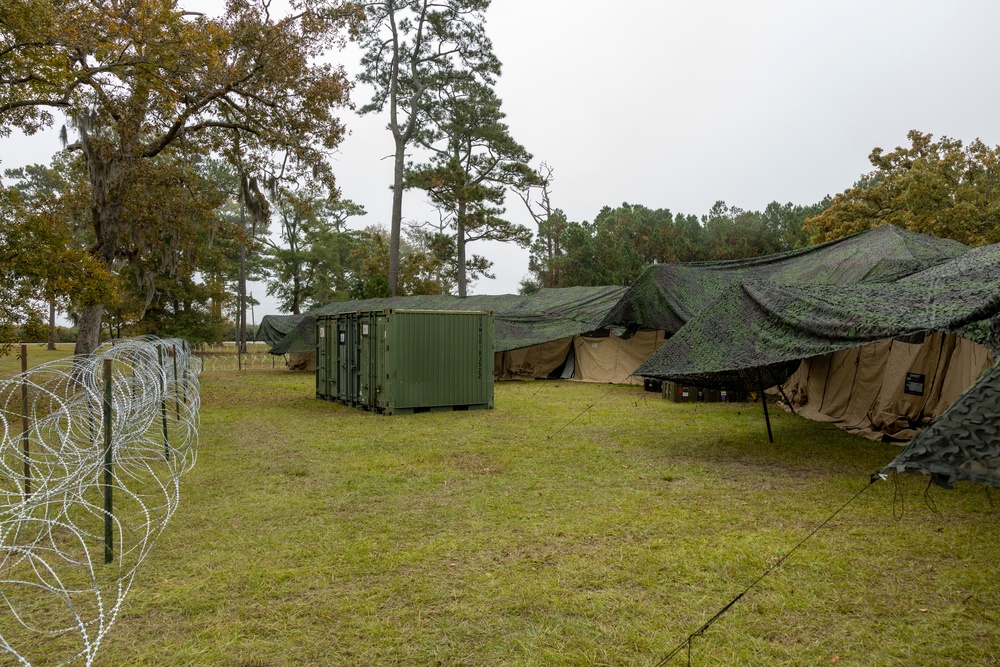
{"x":781,"y":390}
{"x":763,"y":401}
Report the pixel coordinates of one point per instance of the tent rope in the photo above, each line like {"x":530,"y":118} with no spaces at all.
{"x":928,"y":499}
{"x":582,"y":412}
{"x":898,"y":499}
{"x":701,"y":631}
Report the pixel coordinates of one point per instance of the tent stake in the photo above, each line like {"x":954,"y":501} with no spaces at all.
{"x":763,"y":401}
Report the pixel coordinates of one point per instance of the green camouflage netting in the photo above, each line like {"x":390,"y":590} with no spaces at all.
{"x":520,"y":321}
{"x":765,"y":327}
{"x":666,"y":296}
{"x":273,"y":328}
{"x":963,"y":443}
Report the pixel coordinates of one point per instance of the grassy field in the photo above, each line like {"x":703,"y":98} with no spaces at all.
{"x":10,"y":364}
{"x":314,"y":534}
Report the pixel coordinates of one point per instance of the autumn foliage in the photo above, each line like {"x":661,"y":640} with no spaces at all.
{"x":942,"y":188}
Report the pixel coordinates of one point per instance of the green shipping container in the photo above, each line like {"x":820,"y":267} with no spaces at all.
{"x":404,"y":361}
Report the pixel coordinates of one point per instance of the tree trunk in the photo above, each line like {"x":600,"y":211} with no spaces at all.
{"x":296,"y":293}
{"x":397,"y":215}
{"x":241,"y":327}
{"x":88,"y":330}
{"x":52,"y":326}
{"x":463,"y":279}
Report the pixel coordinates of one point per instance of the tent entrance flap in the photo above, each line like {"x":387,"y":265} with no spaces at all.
{"x":534,"y":362}
{"x":604,"y":357}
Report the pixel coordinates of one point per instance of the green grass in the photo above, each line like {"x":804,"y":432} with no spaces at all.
{"x":314,"y":534}
{"x":10,"y":364}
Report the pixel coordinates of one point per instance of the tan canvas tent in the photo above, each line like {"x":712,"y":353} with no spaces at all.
{"x":888,"y":389}
{"x":534,"y":362}
{"x":597,"y":356}
{"x":613,"y":359}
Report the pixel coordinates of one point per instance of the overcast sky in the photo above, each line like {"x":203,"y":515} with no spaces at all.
{"x":680,"y":104}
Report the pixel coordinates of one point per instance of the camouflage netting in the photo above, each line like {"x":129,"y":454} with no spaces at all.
{"x":520,"y":321}
{"x":760,"y":326}
{"x":963,"y":443}
{"x":666,"y":296}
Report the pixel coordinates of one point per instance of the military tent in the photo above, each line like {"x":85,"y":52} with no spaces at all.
{"x":887,"y":390}
{"x":758,"y":332}
{"x":554,"y":332}
{"x":666,"y":296}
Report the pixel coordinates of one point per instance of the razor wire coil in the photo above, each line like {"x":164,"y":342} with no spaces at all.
{"x":58,"y":597}
{"x":254,"y":361}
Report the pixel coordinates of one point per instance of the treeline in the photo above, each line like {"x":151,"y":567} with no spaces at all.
{"x":179,"y":166}
{"x":621,"y":242}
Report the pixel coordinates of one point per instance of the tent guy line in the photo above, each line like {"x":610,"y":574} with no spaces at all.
{"x":875,"y":477}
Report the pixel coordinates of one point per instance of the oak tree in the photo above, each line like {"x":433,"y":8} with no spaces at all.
{"x":139,"y":78}
{"x":942,"y":188}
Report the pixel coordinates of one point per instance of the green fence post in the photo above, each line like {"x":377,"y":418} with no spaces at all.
{"x":177,"y":399}
{"x":109,"y":531}
{"x":24,"y":421}
{"x":163,"y":402}
{"x":187,"y":363}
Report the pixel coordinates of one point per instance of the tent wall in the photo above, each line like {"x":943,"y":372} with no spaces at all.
{"x":529,"y":363}
{"x":613,"y":359}
{"x":596,"y":358}
{"x":864,"y":390}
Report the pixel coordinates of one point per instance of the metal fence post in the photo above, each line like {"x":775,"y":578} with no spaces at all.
{"x":177,"y":398}
{"x":187,"y":363}
{"x":24,"y":421}
{"x":163,"y":402}
{"x":109,"y":532}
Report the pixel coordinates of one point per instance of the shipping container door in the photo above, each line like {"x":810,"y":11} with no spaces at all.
{"x":380,"y":364}
{"x":367,"y":353}
{"x":343,"y":360}
{"x":322,"y":358}
{"x":354,"y":350}
{"x":333,"y":357}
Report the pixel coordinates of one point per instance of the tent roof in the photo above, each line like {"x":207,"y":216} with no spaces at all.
{"x":520,"y":320}
{"x":666,"y":296}
{"x":964,"y":442}
{"x":765,"y":325}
